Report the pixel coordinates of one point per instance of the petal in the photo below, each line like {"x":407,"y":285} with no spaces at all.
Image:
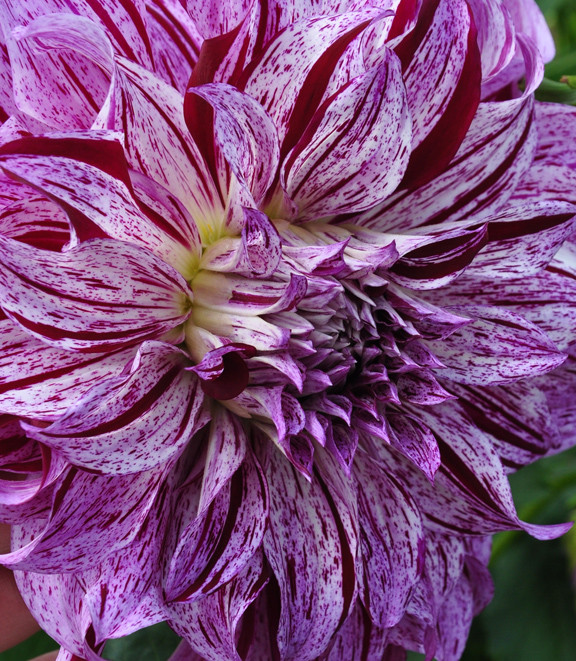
{"x":132,"y":422}
{"x":224,"y":455}
{"x":243,"y":329}
{"x":340,"y":165}
{"x":311,"y":556}
{"x":210,"y":625}
{"x":124,"y":594}
{"x":289,"y":77}
{"x":28,"y":387}
{"x":65,"y":620}
{"x":496,"y":36}
{"x":546,"y":299}
{"x":523,"y":238}
{"x":37,"y":221}
{"x":211,"y":549}
{"x":497,"y":347}
{"x":471,"y":494}
{"x":148,"y":113}
{"x":60,"y":166}
{"x":101,"y":295}
{"x":556,"y":133}
{"x":517,"y":417}
{"x":439,"y":259}
{"x":250,"y":297}
{"x":558,"y":387}
{"x":223,"y":371}
{"x":88,"y":511}
{"x":22,"y":464}
{"x":242,"y":130}
{"x":358,"y":638}
{"x":214,"y":18}
{"x":40,"y":75}
{"x":496,"y":151}
{"x":415,"y":441}
{"x":391,"y":541}
{"x":441,"y":71}
{"x":528,"y":20}
{"x":174,"y":40}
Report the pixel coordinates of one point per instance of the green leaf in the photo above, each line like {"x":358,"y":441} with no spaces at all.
{"x":34,"y":646}
{"x":557,"y":91}
{"x":532,"y":615}
{"x":152,"y":644}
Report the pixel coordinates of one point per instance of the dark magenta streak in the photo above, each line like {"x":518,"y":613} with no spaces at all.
{"x":314,"y":87}
{"x":50,"y":374}
{"x":515,"y":229}
{"x":58,"y":334}
{"x":439,"y":147}
{"x":241,"y":297}
{"x":104,"y":155}
{"x":140,"y":407}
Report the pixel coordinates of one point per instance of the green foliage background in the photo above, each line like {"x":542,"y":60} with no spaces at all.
{"x":533,"y":614}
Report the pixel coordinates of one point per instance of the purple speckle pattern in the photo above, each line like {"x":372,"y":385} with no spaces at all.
{"x":287,"y":291}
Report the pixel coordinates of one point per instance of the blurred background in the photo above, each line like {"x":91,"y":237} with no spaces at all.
{"x":533,"y":614}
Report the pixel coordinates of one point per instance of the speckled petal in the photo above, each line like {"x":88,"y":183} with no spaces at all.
{"x":102,"y":295}
{"x":135,"y":421}
{"x":311,"y":557}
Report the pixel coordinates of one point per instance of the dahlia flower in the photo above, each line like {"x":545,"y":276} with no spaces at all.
{"x":288,"y":290}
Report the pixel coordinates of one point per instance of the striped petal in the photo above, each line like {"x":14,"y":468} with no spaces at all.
{"x":123,"y":594}
{"x":290,"y":76}
{"x":524,"y":238}
{"x":92,"y":511}
{"x":243,"y":131}
{"x":102,"y":295}
{"x":213,"y":548}
{"x":495,"y":36}
{"x":67,"y":620}
{"x":38,"y":76}
{"x":340,"y":165}
{"x":517,"y":417}
{"x":312,"y":557}
{"x":143,"y":107}
{"x":441,"y":71}
{"x":29,"y":388}
{"x":471,"y":494}
{"x":226,"y":450}
{"x":37,"y":221}
{"x":210,"y":625}
{"x":175,"y":41}
{"x":132,"y":422}
{"x":546,"y":299}
{"x":497,"y":347}
{"x":497,"y":150}
{"x":60,"y":167}
{"x":392,"y":536}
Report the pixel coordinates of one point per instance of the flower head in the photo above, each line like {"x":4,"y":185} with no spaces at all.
{"x":275,"y":280}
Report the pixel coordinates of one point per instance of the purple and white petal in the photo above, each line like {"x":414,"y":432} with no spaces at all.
{"x":210,"y":625}
{"x":343,"y":166}
{"x":311,"y":557}
{"x":133,"y":422}
{"x":497,"y":347}
{"x":102,"y":295}
{"x":212,"y":548}
{"x":88,"y":511}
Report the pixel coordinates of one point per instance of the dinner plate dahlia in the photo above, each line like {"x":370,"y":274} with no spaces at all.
{"x":288,"y":290}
